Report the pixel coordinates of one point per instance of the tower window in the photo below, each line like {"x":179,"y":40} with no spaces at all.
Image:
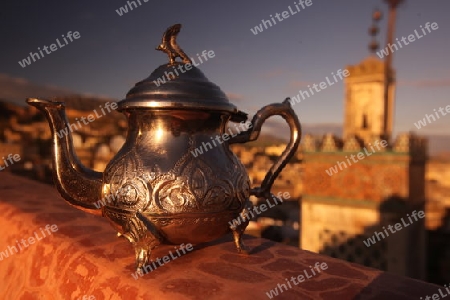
{"x":364,"y":122}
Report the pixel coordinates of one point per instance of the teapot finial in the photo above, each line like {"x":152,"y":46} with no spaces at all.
{"x":170,"y":46}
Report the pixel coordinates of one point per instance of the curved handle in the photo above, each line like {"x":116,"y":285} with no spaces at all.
{"x":284,"y":110}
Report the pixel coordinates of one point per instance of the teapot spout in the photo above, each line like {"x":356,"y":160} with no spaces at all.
{"x":78,"y":185}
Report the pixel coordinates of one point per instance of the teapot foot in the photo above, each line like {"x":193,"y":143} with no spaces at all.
{"x":142,"y":258}
{"x":238,"y":231}
{"x":237,"y":235}
{"x":142,"y":252}
{"x":145,"y":237}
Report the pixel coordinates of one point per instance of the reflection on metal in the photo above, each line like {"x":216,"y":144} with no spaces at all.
{"x":155,"y":190}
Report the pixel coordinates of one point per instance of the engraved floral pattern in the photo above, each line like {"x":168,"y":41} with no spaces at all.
{"x":175,"y":196}
{"x":133,"y":194}
{"x":191,"y":185}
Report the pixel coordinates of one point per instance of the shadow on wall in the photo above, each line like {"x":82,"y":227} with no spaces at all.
{"x":438,"y":249}
{"x":280,"y":223}
{"x":399,"y":252}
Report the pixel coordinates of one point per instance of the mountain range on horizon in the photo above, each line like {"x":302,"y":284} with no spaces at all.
{"x":16,"y":90}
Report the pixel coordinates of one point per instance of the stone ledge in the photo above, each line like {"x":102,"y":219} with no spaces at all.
{"x":85,"y":258}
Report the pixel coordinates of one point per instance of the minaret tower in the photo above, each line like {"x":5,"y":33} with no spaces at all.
{"x":369,"y":97}
{"x":344,"y":203}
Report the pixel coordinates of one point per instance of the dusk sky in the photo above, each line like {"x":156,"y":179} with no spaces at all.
{"x":114,"y":52}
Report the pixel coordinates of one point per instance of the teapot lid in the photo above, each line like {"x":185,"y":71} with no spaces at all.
{"x":179,"y":85}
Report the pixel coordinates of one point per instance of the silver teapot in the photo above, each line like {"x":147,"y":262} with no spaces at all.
{"x":157,"y":190}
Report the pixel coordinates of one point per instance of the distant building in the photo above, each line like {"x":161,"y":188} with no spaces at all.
{"x":354,"y":189}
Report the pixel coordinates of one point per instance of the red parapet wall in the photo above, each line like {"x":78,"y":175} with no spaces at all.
{"x":83,"y":259}
{"x":366,"y":179}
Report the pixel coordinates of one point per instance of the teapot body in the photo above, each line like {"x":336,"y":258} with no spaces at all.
{"x":175,"y":177}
